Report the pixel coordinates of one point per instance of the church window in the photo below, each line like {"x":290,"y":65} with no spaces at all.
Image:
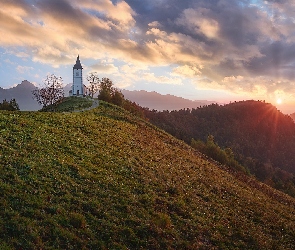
{"x":77,"y":73}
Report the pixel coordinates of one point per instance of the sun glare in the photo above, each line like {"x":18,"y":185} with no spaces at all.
{"x":279,"y":101}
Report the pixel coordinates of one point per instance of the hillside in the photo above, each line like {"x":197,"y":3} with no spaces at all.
{"x":251,"y":128}
{"x":293,"y":116}
{"x":103,"y":179}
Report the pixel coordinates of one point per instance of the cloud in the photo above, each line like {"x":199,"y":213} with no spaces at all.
{"x":235,"y":45}
{"x":22,"y":54}
{"x":198,"y":21}
{"x":23,"y":69}
{"x":151,"y":77}
{"x":120,"y":12}
{"x":154,"y":24}
{"x":104,"y":68}
{"x":187,"y":71}
{"x":261,"y":87}
{"x":9,"y":62}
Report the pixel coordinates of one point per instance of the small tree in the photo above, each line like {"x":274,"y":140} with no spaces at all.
{"x":51,"y":93}
{"x":94,"y":82}
{"x":117,"y":98}
{"x":106,"y":90}
{"x":108,"y":93}
{"x":11,"y":105}
{"x":14,"y":104}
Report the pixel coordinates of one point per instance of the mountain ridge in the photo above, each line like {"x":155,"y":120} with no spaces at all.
{"x":153,"y":100}
{"x":22,"y":93}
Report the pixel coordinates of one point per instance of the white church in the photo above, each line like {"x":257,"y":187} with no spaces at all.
{"x":78,"y":88}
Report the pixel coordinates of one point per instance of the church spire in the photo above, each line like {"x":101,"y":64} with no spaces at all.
{"x":78,"y":63}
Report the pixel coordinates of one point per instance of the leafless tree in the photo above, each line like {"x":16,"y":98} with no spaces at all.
{"x":94,"y":82}
{"x":51,"y":93}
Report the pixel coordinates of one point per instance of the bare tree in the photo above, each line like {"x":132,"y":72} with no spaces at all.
{"x":51,"y":93}
{"x":94,"y":82}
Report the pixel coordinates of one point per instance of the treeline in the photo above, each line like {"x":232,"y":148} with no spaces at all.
{"x":260,"y":137}
{"x":223,"y":156}
{"x":109,"y":93}
{"x":249,"y":136}
{"x":9,"y":105}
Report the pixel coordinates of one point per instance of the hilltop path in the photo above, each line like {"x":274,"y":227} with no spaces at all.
{"x":95,"y":103}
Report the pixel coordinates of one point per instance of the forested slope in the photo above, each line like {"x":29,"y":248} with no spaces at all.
{"x":260,"y":135}
{"x":104,"y":179}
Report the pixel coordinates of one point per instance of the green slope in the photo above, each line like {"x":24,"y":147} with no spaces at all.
{"x":103,"y":179}
{"x":70,"y":104}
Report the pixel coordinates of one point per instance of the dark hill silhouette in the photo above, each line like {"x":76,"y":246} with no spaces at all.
{"x":262,"y":138}
{"x":293,"y":116}
{"x":22,"y":93}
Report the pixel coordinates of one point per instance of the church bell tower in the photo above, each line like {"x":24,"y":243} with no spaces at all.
{"x":77,"y":87}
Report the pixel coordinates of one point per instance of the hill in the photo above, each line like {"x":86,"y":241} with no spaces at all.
{"x":262,"y":138}
{"x":22,"y":93}
{"x":71,"y":104}
{"x":292,"y":116}
{"x":253,"y":128}
{"x":104,"y":179}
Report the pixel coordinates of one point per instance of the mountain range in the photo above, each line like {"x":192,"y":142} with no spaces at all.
{"x":22,"y":93}
{"x":153,"y":100}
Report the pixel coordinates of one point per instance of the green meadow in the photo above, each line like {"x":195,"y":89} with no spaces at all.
{"x":105,"y":179}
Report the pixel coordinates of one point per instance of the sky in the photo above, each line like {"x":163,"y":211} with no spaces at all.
{"x":215,"y":50}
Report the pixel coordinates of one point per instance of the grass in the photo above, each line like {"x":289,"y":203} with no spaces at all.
{"x":103,"y":179}
{"x":70,"y":104}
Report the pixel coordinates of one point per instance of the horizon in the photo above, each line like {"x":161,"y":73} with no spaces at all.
{"x":205,"y":101}
{"x":223,"y":51}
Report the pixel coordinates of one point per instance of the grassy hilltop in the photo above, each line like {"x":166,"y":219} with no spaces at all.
{"x":104,"y":179}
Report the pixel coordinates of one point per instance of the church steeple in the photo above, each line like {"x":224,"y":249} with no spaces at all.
{"x":78,"y":64}
{"x":78,"y":88}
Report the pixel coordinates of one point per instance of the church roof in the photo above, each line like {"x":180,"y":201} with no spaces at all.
{"x":78,"y":64}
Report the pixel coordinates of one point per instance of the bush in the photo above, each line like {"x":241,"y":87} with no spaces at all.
{"x":10,"y":106}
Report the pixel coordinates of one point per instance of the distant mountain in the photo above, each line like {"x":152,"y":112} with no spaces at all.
{"x":67,"y":89}
{"x":22,"y":93}
{"x":154,"y":100}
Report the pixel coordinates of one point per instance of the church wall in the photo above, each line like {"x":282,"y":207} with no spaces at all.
{"x":77,"y":82}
